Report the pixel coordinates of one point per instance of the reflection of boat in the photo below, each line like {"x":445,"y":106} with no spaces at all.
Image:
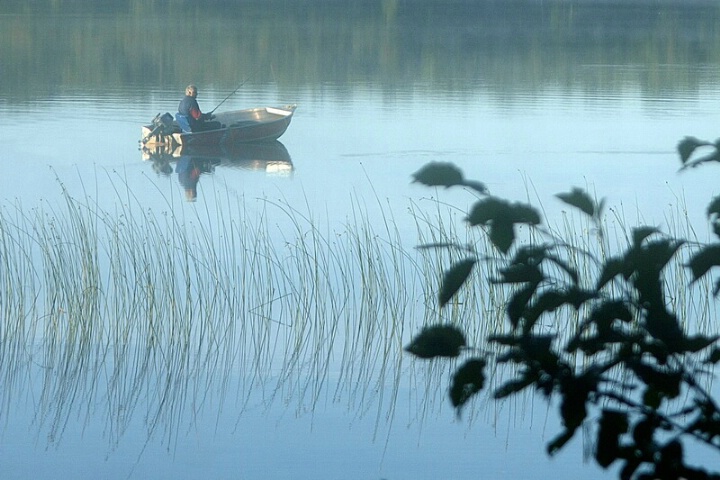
{"x":238,"y":126}
{"x":271,"y":157}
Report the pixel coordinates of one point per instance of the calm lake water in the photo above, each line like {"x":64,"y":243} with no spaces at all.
{"x":529,"y":97}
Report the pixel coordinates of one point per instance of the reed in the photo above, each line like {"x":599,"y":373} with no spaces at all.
{"x":137,"y":313}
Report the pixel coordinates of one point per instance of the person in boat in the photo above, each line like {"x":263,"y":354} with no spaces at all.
{"x":189,"y":116}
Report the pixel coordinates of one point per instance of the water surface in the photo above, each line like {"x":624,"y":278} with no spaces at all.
{"x":531,"y":98}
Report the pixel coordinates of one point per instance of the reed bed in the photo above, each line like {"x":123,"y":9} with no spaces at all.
{"x":139,"y":313}
{"x":135,"y":313}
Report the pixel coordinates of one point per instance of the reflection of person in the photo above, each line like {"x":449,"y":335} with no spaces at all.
{"x":189,"y":169}
{"x":188,"y":176}
{"x":189,"y":116}
{"x":161,"y":163}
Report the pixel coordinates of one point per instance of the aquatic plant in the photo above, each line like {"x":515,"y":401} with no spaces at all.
{"x":138,"y":315}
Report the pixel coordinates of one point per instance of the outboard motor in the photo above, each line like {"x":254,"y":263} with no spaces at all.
{"x":161,"y":125}
{"x":164,"y":123}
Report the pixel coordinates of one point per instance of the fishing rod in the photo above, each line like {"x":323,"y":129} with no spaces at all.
{"x":233,"y":93}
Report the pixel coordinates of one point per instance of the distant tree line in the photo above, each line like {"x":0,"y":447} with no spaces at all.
{"x":452,"y":46}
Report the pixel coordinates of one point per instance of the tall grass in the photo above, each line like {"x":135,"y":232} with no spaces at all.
{"x":137,"y":313}
{"x":160,"y":313}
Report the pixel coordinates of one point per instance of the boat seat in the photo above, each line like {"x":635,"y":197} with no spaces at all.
{"x":184,"y":122}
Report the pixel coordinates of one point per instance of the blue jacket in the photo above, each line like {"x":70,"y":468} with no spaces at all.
{"x":189,"y":113}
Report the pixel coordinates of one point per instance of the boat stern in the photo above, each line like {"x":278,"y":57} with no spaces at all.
{"x":161,"y":131}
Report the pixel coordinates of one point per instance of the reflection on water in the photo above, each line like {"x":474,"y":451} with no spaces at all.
{"x":192,"y":162}
{"x":188,"y":169}
{"x":451,"y":46}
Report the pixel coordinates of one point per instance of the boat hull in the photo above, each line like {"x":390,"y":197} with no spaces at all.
{"x":263,"y":124}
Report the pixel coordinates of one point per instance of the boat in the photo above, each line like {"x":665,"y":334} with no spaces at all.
{"x":261,"y":124}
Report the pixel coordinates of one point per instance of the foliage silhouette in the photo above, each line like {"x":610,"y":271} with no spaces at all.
{"x":627,"y":369}
{"x":437,"y":341}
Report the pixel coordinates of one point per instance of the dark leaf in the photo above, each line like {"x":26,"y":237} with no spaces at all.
{"x":708,"y":421}
{"x":611,"y":310}
{"x":688,"y":145}
{"x":644,"y":431}
{"x":629,"y":469}
{"x":477,"y":186}
{"x":530,"y":254}
{"x":514,"y":386}
{"x":612,"y":425}
{"x":559,"y":442}
{"x":658,"y":350}
{"x":520,"y":273}
{"x":501,"y":217}
{"x":575,"y":392}
{"x":454,"y":278}
{"x":714,"y":356}
{"x":535,"y":349}
{"x":518,"y":304}
{"x":667,"y":383}
{"x":704,"y":260}
{"x":513,"y":355}
{"x":526,"y":349}
{"x":698,"y":342}
{"x":546,"y":302}
{"x":589,"y":345}
{"x":573,"y":411}
{"x":521,"y":213}
{"x":439,"y":174}
{"x":656,"y":255}
{"x":539,"y":346}
{"x":641,"y":233}
{"x":502,"y":235}
{"x":492,"y":209}
{"x":671,"y":458}
{"x":578,"y":297}
{"x":652,"y":398}
{"x":565,"y":266}
{"x":604,"y":316}
{"x":713,"y":209}
{"x":485,"y":211}
{"x":437,"y":341}
{"x":665,"y":326}
{"x":578,"y":198}
{"x":612,"y":268}
{"x":713,"y":156}
{"x":551,"y":300}
{"x":596,"y":343}
{"x":467,"y":381}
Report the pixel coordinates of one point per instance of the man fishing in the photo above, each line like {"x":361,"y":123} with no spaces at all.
{"x":189,"y":116}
